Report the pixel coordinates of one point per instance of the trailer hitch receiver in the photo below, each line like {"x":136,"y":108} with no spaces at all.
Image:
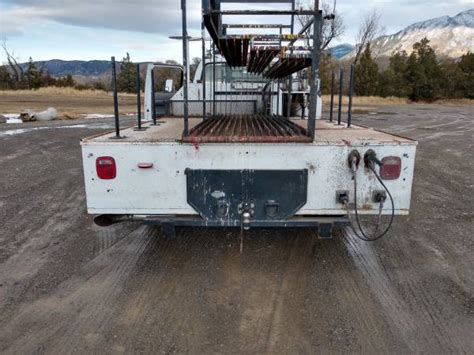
{"x":247,"y":211}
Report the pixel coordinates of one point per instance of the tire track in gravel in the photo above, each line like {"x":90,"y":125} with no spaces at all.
{"x":410,"y":309}
{"x":81,"y":306}
{"x":354,"y":294}
{"x":162,"y":305}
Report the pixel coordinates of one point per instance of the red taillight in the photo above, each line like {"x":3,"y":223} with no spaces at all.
{"x":391,"y":168}
{"x":106,"y":168}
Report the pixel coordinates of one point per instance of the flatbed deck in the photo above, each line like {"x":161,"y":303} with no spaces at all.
{"x":169,"y":129}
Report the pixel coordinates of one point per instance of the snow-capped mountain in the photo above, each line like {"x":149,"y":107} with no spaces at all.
{"x":449,"y":36}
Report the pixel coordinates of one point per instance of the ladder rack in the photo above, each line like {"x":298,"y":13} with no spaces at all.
{"x":275,"y":57}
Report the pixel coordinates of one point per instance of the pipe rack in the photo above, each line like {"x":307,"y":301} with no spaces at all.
{"x":275,"y":57}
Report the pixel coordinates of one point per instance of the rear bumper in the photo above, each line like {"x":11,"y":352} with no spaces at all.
{"x":197,"y":221}
{"x":295,"y":222}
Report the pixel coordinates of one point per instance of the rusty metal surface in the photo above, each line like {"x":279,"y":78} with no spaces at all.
{"x":234,"y":50}
{"x":288,"y":66}
{"x":260,"y":59}
{"x":247,"y":128}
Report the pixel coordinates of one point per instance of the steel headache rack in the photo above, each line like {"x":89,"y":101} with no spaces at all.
{"x":274,"y":57}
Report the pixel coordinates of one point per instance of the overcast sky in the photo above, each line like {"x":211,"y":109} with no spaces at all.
{"x":98,"y":29}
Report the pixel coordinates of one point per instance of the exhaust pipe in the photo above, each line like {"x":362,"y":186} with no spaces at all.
{"x":107,"y":220}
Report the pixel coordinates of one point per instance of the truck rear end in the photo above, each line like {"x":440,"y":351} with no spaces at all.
{"x":158,"y":178}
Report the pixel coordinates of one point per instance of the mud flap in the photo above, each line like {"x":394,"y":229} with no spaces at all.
{"x":217,"y":194}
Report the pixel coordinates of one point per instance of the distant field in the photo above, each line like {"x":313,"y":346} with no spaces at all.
{"x":363,"y":104}
{"x":70,"y":103}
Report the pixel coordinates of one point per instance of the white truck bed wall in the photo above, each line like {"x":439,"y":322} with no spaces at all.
{"x":162,"y":189}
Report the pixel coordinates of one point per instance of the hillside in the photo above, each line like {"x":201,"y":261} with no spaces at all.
{"x":450,"y":36}
{"x":59,"y":68}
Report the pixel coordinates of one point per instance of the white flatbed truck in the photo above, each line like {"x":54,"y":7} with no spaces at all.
{"x":247,"y":170}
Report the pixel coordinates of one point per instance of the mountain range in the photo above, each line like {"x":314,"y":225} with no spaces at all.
{"x":450,"y":37}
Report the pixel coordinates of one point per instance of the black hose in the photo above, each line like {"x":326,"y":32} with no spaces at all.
{"x":363,"y":235}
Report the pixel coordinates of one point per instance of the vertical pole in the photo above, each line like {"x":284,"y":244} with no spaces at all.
{"x":315,"y":61}
{"x":279,"y":81}
{"x":153,"y":102}
{"x":116,"y":105}
{"x":351,"y":92}
{"x":203,"y":73}
{"x":214,"y":79}
{"x":341,"y":88}
{"x":333,"y":83}
{"x":290,"y":78}
{"x":185,"y":68}
{"x":139,"y":100}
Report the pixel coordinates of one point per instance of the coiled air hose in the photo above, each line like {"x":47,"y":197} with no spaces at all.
{"x":363,"y":235}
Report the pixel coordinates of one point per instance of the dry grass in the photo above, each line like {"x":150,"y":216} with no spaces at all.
{"x":368,"y":102}
{"x":455,"y":102}
{"x":69,"y":102}
{"x":72,"y":103}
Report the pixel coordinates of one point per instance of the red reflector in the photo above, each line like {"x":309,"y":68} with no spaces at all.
{"x":106,"y":168}
{"x":391,"y":168}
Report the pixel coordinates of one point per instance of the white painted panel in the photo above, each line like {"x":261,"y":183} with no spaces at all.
{"x":162,"y":190}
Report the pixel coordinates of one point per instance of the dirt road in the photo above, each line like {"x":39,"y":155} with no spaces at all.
{"x":67,"y":286}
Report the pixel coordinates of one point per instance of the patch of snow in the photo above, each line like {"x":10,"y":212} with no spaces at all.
{"x":15,"y":132}
{"x":96,"y":116}
{"x":14,"y":121}
{"x":12,"y":118}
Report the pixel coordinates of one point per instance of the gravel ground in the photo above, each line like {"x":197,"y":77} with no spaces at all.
{"x":67,"y":286}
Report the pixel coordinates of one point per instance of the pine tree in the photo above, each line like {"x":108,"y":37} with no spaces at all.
{"x":393,"y":80}
{"x":33,"y":75}
{"x":366,"y":74}
{"x":466,"y":65}
{"x":6,"y":80}
{"x":65,"y":82}
{"x":126,"y":81}
{"x":47,"y":80}
{"x":453,"y":83}
{"x":424,"y":74}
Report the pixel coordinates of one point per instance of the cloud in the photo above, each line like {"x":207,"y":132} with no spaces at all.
{"x":159,"y":16}
{"x":19,"y":20}
{"x":164,"y":16}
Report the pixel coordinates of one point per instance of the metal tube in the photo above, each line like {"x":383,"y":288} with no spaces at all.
{"x":214,"y":80}
{"x":351,"y":91}
{"x":279,"y":83}
{"x":290,"y":78}
{"x":315,"y":61}
{"x":185,"y":67}
{"x":341,"y":88}
{"x":262,"y":12}
{"x":116,"y":104}
{"x":203,"y":71}
{"x":153,"y":101}
{"x":333,"y":83}
{"x":225,"y":26}
{"x":139,"y":101}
